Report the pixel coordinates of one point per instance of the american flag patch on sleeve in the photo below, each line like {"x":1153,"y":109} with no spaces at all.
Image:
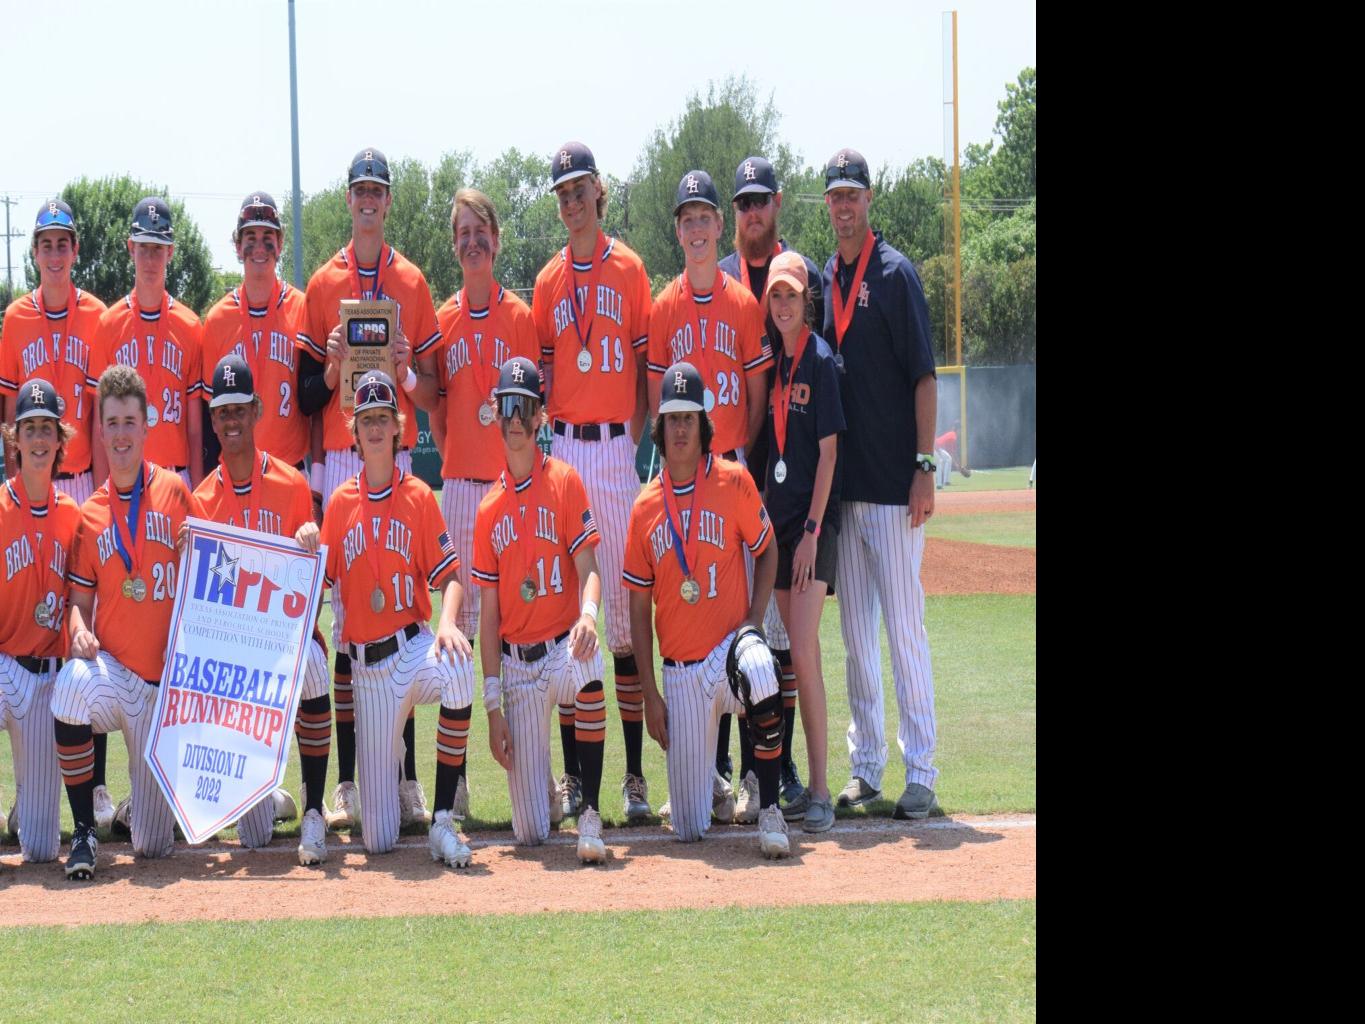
{"x":587,"y":520}
{"x":444,"y":541}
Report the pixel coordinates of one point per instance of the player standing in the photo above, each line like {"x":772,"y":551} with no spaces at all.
{"x":534,"y":543}
{"x":878,"y":320}
{"x":591,"y":309}
{"x":255,"y":490}
{"x":37,"y":528}
{"x":689,"y":530}
{"x":124,"y":557}
{"x":386,"y":545}
{"x":366,"y":268}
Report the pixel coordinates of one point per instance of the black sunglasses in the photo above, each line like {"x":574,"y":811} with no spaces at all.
{"x":753,"y":201}
{"x":522,"y":407}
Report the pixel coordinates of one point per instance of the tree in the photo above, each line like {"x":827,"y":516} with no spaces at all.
{"x":1015,"y":164}
{"x":104,"y":210}
{"x":1005,"y":239}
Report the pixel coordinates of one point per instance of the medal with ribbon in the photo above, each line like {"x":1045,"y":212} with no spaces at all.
{"x":686,"y":536}
{"x":128,"y":539}
{"x":843,"y":311}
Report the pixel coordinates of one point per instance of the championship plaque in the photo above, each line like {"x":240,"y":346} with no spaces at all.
{"x":369,"y":328}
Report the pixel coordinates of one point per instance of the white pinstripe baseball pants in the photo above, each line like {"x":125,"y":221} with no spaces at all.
{"x":530,"y":695}
{"x":340,"y":466}
{"x":608,"y":472}
{"x":26,"y":712}
{"x":256,"y":827}
{"x":459,"y":507}
{"x":878,"y":576}
{"x":696,"y":696}
{"x":107,"y":696}
{"x":384,"y":694}
{"x":78,"y":488}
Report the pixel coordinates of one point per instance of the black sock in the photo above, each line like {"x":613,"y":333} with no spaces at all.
{"x":630,"y":704}
{"x":452,"y":739}
{"x":74,"y":746}
{"x":313,"y":728}
{"x":410,"y":747}
{"x":591,"y":720}
{"x":344,"y":710}
{"x":567,"y":740}
{"x":723,"y":744}
{"x":746,"y":751}
{"x":101,"y":758}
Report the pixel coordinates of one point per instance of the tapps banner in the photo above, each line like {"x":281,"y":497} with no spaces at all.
{"x":240,"y":627}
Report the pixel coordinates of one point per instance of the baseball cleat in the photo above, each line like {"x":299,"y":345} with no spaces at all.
{"x":722,"y":798}
{"x":571,"y":794}
{"x":445,"y":842}
{"x":726,"y":766}
{"x":772,"y":833}
{"x":857,"y":793}
{"x":819,"y":816}
{"x":666,"y":811}
{"x":796,"y":810}
{"x":556,"y":804}
{"x":791,"y":783}
{"x":591,"y":849}
{"x":80,"y":864}
{"x":285,"y":808}
{"x":916,"y":802}
{"x":746,"y":805}
{"x":312,"y":839}
{"x":412,"y":804}
{"x":345,"y":806}
{"x":460,"y":810}
{"x":104,"y":808}
{"x":122,"y":824}
{"x":635,"y":790}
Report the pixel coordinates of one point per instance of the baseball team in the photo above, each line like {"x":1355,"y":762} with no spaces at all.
{"x":793,"y":411}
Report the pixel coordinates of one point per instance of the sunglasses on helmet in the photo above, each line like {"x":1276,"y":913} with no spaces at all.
{"x":375,"y":392}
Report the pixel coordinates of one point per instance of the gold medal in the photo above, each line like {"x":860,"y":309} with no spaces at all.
{"x":780,"y":470}
{"x":42,"y":615}
{"x":690,"y":590}
{"x":584,"y":360}
{"x":528,"y":590}
{"x":139,"y":589}
{"x":486,"y":414}
{"x":376,"y":600}
{"x":128,"y":588}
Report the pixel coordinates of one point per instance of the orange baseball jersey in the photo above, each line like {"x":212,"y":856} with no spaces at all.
{"x":732,"y":345}
{"x":400,"y":561}
{"x":394,"y":278}
{"x":282,"y":504}
{"x":267,"y":338}
{"x":474,"y":345}
{"x":731,"y":516}
{"x":135,"y":632}
{"x":613,"y":292}
{"x":165,"y":347}
{"x":534,"y":536}
{"x":35,"y":575}
{"x":55,"y":344}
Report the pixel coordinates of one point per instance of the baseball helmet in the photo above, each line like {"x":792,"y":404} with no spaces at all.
{"x":259,"y":210}
{"x":376,"y":391}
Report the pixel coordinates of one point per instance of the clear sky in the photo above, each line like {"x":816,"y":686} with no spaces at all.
{"x":195,"y":95}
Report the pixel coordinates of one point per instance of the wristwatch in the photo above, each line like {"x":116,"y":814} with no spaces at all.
{"x":812,"y":527}
{"x":925,"y":463}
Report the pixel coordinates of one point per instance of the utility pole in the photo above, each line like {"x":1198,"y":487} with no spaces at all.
{"x":294,"y":133}
{"x":9,"y":265}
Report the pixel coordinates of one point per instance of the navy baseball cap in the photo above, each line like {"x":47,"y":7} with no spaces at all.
{"x":259,"y":210}
{"x":54,"y":215}
{"x":151,"y":222}
{"x":696,"y":187}
{"x":37,"y":398}
{"x":232,"y":383}
{"x":368,"y":165}
{"x":519,"y":376}
{"x":573,"y":160}
{"x":847,"y":169}
{"x":376,"y":391}
{"x":754,"y":174}
{"x":682,"y":390}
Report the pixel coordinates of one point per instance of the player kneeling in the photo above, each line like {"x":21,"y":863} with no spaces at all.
{"x":386,"y":545}
{"x":685,"y":546}
{"x":533,"y":540}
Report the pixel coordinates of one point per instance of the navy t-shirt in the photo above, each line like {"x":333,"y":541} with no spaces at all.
{"x":886,"y":350}
{"x":816,"y":412}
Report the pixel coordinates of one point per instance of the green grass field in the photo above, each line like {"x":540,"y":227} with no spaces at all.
{"x":1006,"y":478}
{"x":1009,"y":529}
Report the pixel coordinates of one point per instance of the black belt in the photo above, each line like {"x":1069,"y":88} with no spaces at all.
{"x":469,"y":480}
{"x":732,"y":455}
{"x":589,"y":431}
{"x":381,"y":649}
{"x":176,"y":469}
{"x":68,"y":476}
{"x":37,"y":665}
{"x":531,"y":653}
{"x":300,"y":466}
{"x":674,"y":663}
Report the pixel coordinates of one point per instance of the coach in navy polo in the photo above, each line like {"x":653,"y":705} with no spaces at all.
{"x":877,"y":320}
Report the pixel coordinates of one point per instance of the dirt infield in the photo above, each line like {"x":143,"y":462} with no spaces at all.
{"x":959,"y":567}
{"x":957,"y":503}
{"x":879,"y":860}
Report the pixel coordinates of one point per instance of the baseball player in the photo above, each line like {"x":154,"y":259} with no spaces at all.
{"x":591,"y":310}
{"x":162,"y":340}
{"x":946,"y":455}
{"x":805,"y":419}
{"x":125,"y":558}
{"x":366,"y":268}
{"x":37,"y":528}
{"x":533,"y":542}
{"x":259,"y":491}
{"x":51,"y":332}
{"x":689,"y":530}
{"x":386,"y":545}
{"x":879,"y":323}
{"x":757,"y":203}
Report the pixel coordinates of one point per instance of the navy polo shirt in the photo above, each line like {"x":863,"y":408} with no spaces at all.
{"x":886,"y":350}
{"x":816,"y":412}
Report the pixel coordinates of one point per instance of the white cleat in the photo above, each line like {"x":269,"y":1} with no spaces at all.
{"x":412,"y":804}
{"x":772,"y":833}
{"x":285,"y":808}
{"x":591,"y":849}
{"x":104,"y":808}
{"x":445,"y":842}
{"x":312,"y":839}
{"x":722,"y":798}
{"x":746,"y":806}
{"x":345,"y":806}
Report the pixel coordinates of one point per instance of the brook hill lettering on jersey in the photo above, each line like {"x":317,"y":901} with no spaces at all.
{"x":608,"y":305}
{"x":156,"y":526}
{"x":710,"y":530}
{"x":398,"y":539}
{"x":172,"y":356}
{"x":457,"y":353}
{"x":280,"y":350}
{"x":37,"y":354}
{"x":682,"y":342}
{"x":19,"y":556}
{"x":505,"y":532}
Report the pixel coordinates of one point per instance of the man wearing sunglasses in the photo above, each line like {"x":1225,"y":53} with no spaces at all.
{"x":533,"y":543}
{"x":365,"y":268}
{"x":591,"y":309}
{"x":757,"y":202}
{"x":386,"y":547}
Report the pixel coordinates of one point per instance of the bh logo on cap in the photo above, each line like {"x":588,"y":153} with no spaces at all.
{"x":693,"y":187}
{"x":750,"y":173}
{"x":843,"y":161}
{"x":37,"y":395}
{"x":518,"y":374}
{"x":369,"y":154}
{"x":52,"y":209}
{"x":564,"y":159}
{"x":679,"y":383}
{"x":229,"y":377}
